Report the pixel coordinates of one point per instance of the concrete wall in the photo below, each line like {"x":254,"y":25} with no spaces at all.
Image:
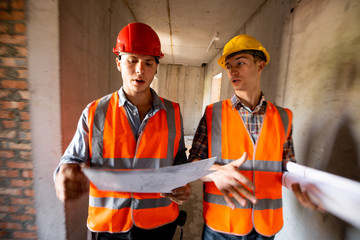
{"x":88,"y":31}
{"x":184,"y":85}
{"x":322,"y":85}
{"x":44,"y":79}
{"x":88,"y":68}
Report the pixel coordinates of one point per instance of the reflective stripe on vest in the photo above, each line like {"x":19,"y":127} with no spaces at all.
{"x":228,"y":139}
{"x":113,"y":145}
{"x":262,"y":204}
{"x":119,"y":203}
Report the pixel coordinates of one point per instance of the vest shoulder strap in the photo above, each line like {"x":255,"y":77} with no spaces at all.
{"x":285,"y":119}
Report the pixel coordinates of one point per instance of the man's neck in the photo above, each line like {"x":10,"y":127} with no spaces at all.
{"x":250,"y":100}
{"x":139,"y":99}
{"x":142,"y":101}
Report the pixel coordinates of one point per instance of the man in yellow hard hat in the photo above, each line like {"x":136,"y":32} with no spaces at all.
{"x":252,"y":139}
{"x":132,"y":128}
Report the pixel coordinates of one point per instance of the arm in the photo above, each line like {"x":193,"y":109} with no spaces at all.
{"x":70,"y":181}
{"x":288,"y":155}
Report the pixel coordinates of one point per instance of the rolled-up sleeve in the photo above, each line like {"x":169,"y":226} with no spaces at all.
{"x":199,"y":148}
{"x":288,"y":151}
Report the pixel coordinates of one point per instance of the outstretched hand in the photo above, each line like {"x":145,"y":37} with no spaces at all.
{"x":229,"y":180}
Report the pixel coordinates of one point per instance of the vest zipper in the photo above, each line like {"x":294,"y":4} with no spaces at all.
{"x":255,"y":148}
{"x":133,"y":167}
{"x":253,"y":160}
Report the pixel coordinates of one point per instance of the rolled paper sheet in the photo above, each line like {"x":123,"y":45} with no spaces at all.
{"x":337,"y":195}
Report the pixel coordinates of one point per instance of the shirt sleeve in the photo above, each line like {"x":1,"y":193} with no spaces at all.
{"x":288,"y":150}
{"x":78,"y":150}
{"x":199,"y":148}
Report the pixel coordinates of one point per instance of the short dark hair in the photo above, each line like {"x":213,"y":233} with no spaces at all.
{"x":156,"y":58}
{"x":258,"y":55}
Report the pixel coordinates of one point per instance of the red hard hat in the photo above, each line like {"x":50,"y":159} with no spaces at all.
{"x":138,"y":38}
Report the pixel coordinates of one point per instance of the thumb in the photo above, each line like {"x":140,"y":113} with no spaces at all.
{"x":240,"y":161}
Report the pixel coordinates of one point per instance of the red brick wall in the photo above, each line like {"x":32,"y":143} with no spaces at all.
{"x":17,"y":211}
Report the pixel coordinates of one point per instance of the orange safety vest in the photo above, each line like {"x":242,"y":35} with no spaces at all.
{"x":228,"y":138}
{"x":112,"y":145}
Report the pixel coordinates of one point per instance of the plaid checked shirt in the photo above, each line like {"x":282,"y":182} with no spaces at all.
{"x":253,"y":121}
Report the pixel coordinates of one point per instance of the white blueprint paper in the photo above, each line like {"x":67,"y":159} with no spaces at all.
{"x":161,"y":180}
{"x":337,"y":195}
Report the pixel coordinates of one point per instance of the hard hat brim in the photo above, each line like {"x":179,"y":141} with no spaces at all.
{"x":222,"y":59}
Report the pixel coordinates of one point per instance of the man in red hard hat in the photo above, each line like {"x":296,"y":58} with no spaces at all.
{"x":252,"y":139}
{"x":132,"y":128}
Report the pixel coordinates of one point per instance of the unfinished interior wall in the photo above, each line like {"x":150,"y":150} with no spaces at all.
{"x":322,"y":87}
{"x":44,"y":78}
{"x":88,"y":72}
{"x":212,"y":69}
{"x":88,"y":68}
{"x":184,"y":85}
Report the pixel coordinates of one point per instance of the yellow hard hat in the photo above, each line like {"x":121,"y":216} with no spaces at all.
{"x":241,"y":43}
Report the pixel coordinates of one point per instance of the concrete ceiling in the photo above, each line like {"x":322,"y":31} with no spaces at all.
{"x":186,"y":27}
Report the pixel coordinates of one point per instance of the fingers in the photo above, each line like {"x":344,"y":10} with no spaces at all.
{"x":244,"y":180}
{"x":70,"y":182}
{"x":230,"y":181}
{"x":238,"y":176}
{"x":242,"y":201}
{"x":228,"y":200}
{"x":298,"y":194}
{"x":303,"y":197}
{"x":239,"y":193}
{"x":179,"y":195}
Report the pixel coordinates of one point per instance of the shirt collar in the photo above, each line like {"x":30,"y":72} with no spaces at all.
{"x":157,"y":102}
{"x":236,"y":103}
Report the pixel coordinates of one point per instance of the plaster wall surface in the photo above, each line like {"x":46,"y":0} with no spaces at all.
{"x":88,"y":72}
{"x":212,"y":69}
{"x":184,"y":85}
{"x":43,"y":33}
{"x":88,"y":68}
{"x":322,"y":89}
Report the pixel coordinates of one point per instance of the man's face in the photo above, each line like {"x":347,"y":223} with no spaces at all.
{"x":244,"y":73}
{"x":137,"y":71}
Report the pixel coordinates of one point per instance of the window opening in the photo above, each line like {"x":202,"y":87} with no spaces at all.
{"x":216,"y":88}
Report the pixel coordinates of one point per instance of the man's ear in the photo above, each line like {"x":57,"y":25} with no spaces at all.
{"x":118,"y":65}
{"x":261,"y":65}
